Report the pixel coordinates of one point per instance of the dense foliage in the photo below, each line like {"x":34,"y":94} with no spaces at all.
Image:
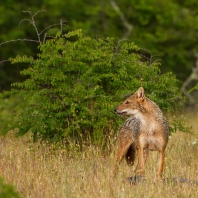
{"x":7,"y":107}
{"x":77,"y":80}
{"x":167,"y":28}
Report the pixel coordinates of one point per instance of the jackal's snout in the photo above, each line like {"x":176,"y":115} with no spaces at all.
{"x":116,"y":110}
{"x":119,"y":112}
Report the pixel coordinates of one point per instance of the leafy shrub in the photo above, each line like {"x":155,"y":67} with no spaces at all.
{"x":76,"y":81}
{"x":7,"y":106}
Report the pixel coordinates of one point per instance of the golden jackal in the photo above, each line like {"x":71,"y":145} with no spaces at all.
{"x":146,"y":129}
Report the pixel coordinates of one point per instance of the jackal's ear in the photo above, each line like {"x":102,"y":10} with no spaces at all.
{"x":140,"y":94}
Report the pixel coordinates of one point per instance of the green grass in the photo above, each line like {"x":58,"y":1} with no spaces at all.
{"x":43,"y":171}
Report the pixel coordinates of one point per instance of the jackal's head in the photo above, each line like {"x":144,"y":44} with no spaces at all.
{"x":133,"y":104}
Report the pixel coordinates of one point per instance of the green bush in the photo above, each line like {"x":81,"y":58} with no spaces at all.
{"x":7,"y":106}
{"x":76,"y":81}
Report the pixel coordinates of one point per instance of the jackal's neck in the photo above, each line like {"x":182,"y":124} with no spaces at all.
{"x":149,"y":111}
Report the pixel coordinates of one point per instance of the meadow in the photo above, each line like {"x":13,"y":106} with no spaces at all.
{"x":41,"y":170}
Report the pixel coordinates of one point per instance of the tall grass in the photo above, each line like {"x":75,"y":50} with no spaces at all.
{"x":47,"y":171}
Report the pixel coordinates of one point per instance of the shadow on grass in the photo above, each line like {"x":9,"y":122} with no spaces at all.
{"x":140,"y":179}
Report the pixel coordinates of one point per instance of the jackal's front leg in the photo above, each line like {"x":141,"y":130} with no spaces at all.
{"x":122,"y":149}
{"x":145,"y":154}
{"x":161,"y":164}
{"x":141,"y":161}
{"x":124,"y":142}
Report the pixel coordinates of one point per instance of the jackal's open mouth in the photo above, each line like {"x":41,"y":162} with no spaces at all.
{"x":121,"y":112}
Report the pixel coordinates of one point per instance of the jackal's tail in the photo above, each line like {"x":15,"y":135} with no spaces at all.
{"x":130,"y":155}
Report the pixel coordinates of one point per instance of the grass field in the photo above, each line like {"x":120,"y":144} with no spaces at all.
{"x":41,"y":171}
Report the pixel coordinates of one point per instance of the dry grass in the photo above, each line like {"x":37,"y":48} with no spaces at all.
{"x":41,"y":171}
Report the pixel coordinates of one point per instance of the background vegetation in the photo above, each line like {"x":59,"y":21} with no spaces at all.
{"x":167,"y":29}
{"x":66,"y":82}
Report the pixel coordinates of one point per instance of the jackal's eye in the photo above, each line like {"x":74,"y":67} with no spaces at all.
{"x":127,"y":102}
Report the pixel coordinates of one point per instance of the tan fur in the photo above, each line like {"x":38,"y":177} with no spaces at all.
{"x":146,"y":130}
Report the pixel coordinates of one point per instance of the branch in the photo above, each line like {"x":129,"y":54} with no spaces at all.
{"x":56,"y":24}
{"x":125,"y":22}
{"x":117,"y":49}
{"x":35,"y":27}
{"x":61,"y":24}
{"x":193,"y":76}
{"x":38,"y":12}
{"x":3,"y":61}
{"x":150,"y":58}
{"x":14,"y":40}
{"x":32,"y":21}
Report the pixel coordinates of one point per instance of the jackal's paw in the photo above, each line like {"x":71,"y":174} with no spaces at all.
{"x":159,"y":178}
{"x":140,"y":172}
{"x":135,"y":179}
